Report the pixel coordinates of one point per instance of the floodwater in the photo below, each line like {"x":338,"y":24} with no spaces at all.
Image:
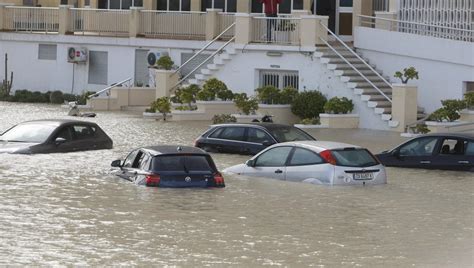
{"x":65,"y":209}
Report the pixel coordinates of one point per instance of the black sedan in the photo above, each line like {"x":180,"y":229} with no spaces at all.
{"x":450,"y":151}
{"x":54,"y":136}
{"x":248,"y":138}
{"x":169,"y":166}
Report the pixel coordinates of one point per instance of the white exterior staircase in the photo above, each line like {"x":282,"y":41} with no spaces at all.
{"x":354,"y":81}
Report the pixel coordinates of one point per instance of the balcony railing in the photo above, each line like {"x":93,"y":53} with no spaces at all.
{"x":172,"y":24}
{"x":225,"y":20}
{"x":99,"y":21}
{"x":276,"y":30}
{"x":31,"y":19}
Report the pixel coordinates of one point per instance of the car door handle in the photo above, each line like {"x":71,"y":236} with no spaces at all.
{"x":463,"y":162}
{"x":425,"y":162}
{"x":278,"y":171}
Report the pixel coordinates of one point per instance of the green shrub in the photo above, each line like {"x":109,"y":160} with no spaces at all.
{"x":223,"y":118}
{"x":268,"y":94}
{"x":205,"y":95}
{"x":408,"y":74}
{"x":244,"y":104}
{"x":165,"y":63}
{"x":287,"y":95}
{"x":82,"y":99}
{"x":56,"y":97}
{"x":70,"y":97}
{"x":150,"y":110}
{"x":225,"y":95}
{"x":162,"y":105}
{"x":32,"y":97}
{"x":311,"y":121}
{"x":214,"y":88}
{"x":420,"y":129}
{"x":469,"y":99}
{"x":449,"y":112}
{"x":186,"y":108}
{"x":308,"y":104}
{"x":339,"y":106}
{"x":188,"y":94}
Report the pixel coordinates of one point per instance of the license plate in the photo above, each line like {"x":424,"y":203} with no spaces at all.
{"x":363,"y":176}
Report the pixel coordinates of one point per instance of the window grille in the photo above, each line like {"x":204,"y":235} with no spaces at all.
{"x":98,"y":67}
{"x":47,"y":51}
{"x":279,"y":79}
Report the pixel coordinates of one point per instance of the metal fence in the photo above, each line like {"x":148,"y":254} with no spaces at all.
{"x":225,"y":20}
{"x":279,"y":79}
{"x":31,"y":19}
{"x":99,"y":21}
{"x":380,"y":5}
{"x":276,"y":30}
{"x":171,"y":24}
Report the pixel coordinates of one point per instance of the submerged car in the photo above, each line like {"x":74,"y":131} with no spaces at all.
{"x":169,"y":166}
{"x":448,"y":151}
{"x":54,"y":136}
{"x":318,"y":162}
{"x":248,"y":138}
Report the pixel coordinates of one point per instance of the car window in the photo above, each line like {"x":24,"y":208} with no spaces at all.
{"x":275,"y":157}
{"x":257,"y":136}
{"x":28,"y":133}
{"x":130,"y":159}
{"x":232,"y":133}
{"x":216,"y":133}
{"x":470,"y":148}
{"x":181,"y":163}
{"x":64,"y":133}
{"x":419,"y":147}
{"x":145,"y":162}
{"x":453,"y":146}
{"x":83,"y":132}
{"x":354,"y":158}
{"x":284,"y":134}
{"x":138,"y":159}
{"x":305,"y":157}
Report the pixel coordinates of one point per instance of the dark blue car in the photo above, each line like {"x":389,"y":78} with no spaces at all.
{"x":449,"y":151}
{"x":169,"y":166}
{"x":248,"y":138}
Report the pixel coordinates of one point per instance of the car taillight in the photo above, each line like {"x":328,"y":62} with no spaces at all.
{"x":327,"y":155}
{"x":152,"y":180}
{"x":219,"y":180}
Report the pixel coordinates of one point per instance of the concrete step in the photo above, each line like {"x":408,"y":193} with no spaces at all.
{"x":193,"y":81}
{"x":352,"y":72}
{"x":338,"y":47}
{"x":341,"y":61}
{"x":373,"y":78}
{"x":212,"y":67}
{"x":393,"y":123}
{"x":218,"y":61}
{"x":378,"y":84}
{"x":225,"y":56}
{"x":332,"y":54}
{"x":206,"y":71}
{"x":358,"y":66}
{"x":230,"y":50}
{"x":200,"y":77}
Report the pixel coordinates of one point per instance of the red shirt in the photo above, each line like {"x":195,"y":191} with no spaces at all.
{"x":271,"y":7}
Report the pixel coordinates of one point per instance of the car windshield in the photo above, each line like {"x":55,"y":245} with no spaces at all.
{"x":284,"y":134}
{"x":28,"y":133}
{"x":354,"y":158}
{"x":182,"y":163}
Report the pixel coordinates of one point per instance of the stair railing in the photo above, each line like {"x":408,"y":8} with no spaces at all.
{"x":109,"y":88}
{"x":352,"y":66}
{"x":205,"y":47}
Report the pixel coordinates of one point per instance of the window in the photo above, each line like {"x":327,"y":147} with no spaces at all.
{"x":28,"y":133}
{"x":226,"y":5}
{"x":174,"y":5}
{"x":65,"y":133}
{"x":232,"y":133}
{"x":216,"y":133}
{"x":275,"y":157}
{"x":98,"y":67}
{"x":47,"y":51}
{"x":470,"y":148}
{"x":182,"y":163}
{"x":130,"y":159}
{"x":305,"y":157}
{"x":419,"y":147}
{"x":279,"y":79}
{"x":285,"y":6}
{"x":284,"y":134}
{"x":258,"y":136}
{"x":354,"y":158}
{"x":119,"y":4}
{"x":83,"y":132}
{"x":453,"y":146}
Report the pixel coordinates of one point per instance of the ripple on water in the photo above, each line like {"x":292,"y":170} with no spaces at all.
{"x":65,"y":209}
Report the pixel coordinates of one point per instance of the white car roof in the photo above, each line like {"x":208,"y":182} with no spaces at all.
{"x":319,"y":146}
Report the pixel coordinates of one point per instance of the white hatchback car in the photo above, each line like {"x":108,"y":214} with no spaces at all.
{"x":318,"y":162}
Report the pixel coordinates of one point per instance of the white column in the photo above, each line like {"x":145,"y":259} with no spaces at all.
{"x":242,"y":28}
{"x":404,"y":105}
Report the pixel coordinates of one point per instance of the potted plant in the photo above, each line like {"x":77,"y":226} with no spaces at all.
{"x":165,"y":63}
{"x":407,"y":74}
{"x":162,"y":105}
{"x":446,"y":116}
{"x":338,"y":114}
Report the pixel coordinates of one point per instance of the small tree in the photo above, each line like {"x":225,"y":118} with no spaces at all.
{"x":287,"y":95}
{"x":188,"y":94}
{"x":449,"y":111}
{"x":162,"y":105}
{"x":225,"y":95}
{"x":244,"y":104}
{"x":308,"y":104}
{"x":165,"y":63}
{"x":268,"y":94}
{"x":408,"y":74}
{"x":469,"y":98}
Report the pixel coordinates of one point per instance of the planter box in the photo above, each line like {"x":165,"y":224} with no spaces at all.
{"x":302,"y":126}
{"x":211,"y":108}
{"x":340,"y":120}
{"x":188,"y":116}
{"x":467,"y":115}
{"x":281,"y":113}
{"x":456,"y":126}
{"x":242,"y":118}
{"x":157,"y":116}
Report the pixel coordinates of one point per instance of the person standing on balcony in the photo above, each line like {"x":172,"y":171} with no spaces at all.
{"x":271,"y":12}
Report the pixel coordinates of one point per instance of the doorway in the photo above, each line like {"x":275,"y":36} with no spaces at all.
{"x":340,"y":15}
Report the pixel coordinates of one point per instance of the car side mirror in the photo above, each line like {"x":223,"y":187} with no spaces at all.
{"x":116,"y":163}
{"x":250,"y":163}
{"x":59,"y":140}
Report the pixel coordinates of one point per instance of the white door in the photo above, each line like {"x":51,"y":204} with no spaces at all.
{"x":306,"y":165}
{"x":271,"y":163}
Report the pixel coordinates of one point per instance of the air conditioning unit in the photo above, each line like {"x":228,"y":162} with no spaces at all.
{"x":76,"y":54}
{"x":153,"y":57}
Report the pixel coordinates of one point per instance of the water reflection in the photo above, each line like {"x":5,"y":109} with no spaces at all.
{"x":65,"y":209}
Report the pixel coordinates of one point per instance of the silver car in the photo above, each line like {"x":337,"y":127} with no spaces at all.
{"x":318,"y":162}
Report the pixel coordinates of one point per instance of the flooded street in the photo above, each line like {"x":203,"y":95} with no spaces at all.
{"x":65,"y":209}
